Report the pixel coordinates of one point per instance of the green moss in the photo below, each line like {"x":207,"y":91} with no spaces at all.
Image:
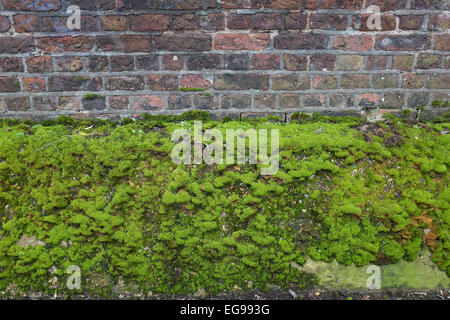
{"x":91,"y":96}
{"x":185,"y":89}
{"x":110,"y":200}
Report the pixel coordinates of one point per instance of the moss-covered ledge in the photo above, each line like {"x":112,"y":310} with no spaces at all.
{"x":106,"y":197}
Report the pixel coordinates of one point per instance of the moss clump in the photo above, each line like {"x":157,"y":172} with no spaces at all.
{"x":185,"y":89}
{"x":112,"y":202}
{"x":92,"y":96}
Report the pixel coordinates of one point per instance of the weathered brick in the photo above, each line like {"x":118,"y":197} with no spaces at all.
{"x":428,"y":61}
{"x":413,"y":42}
{"x":39,"y":64}
{"x":147,"y":103}
{"x":388,"y":5}
{"x":97,"y":63}
{"x":185,"y":22}
{"x":59,"y":24}
{"x":416,"y":99}
{"x":341,"y":100}
{"x":266,"y":61}
{"x":438,"y":81}
{"x":353,"y":43}
{"x":204,"y":61}
{"x":173,"y":62}
{"x":376,"y":63}
{"x":295,"y":21}
{"x":393,"y":100}
{"x":149,"y":22}
{"x":97,"y":103}
{"x":118,"y":102}
{"x":290,"y":82}
{"x":184,"y":4}
{"x":34,"y":84}
{"x":430,"y":4}
{"x":32,"y":5}
{"x":125,"y":83}
{"x":237,"y":62}
{"x":124,"y":43}
{"x":27,"y":23}
{"x":265,"y":101}
{"x":206,"y":102}
{"x":301,"y":41}
{"x":166,"y":82}
{"x":366,"y":100}
{"x":382,"y":80}
{"x":230,"y":41}
{"x":350,"y":62}
{"x":16,"y":44}
{"x":328,"y":21}
{"x":324,"y":82}
{"x":442,"y":42}
{"x":314,"y":100}
{"x":134,"y":4}
{"x":402,"y":62}
{"x":212,"y":21}
{"x":73,"y":83}
{"x":45,"y":103}
{"x":439,"y":22}
{"x":268,"y":21}
{"x":411,"y":22}
{"x":181,"y":42}
{"x":194,"y":81}
{"x":9,"y":84}
{"x":66,"y":44}
{"x":147,"y":62}
{"x":322,"y":62}
{"x":122,"y":63}
{"x":334,"y":4}
{"x":289,"y":101}
{"x":295,"y":62}
{"x":12,"y":64}
{"x":5,"y":24}
{"x":239,"y":21}
{"x":353,"y":81}
{"x":179,"y":102}
{"x":18,"y":103}
{"x":69,"y":103}
{"x":413,"y":81}
{"x":69,"y":64}
{"x":241,"y":81}
{"x":113,"y":23}
{"x":236,"y":101}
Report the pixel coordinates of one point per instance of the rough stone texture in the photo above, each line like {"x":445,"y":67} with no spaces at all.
{"x":248,"y":56}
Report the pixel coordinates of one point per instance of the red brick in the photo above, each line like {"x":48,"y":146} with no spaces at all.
{"x":9,"y":84}
{"x":148,"y":103}
{"x":265,"y":61}
{"x":231,"y":41}
{"x":415,"y":42}
{"x":295,"y":21}
{"x":18,"y":103}
{"x":334,"y":4}
{"x":124,"y":43}
{"x":368,"y":99}
{"x":212,"y":21}
{"x":113,"y":23}
{"x":39,"y":64}
{"x":301,"y":41}
{"x":34,"y":84}
{"x":411,"y":22}
{"x":125,"y":83}
{"x":353,"y":43}
{"x":27,"y":23}
{"x":183,"y":42}
{"x":173,"y":62}
{"x":32,"y":5}
{"x":295,"y":62}
{"x":194,"y":81}
{"x":16,"y":44}
{"x":5,"y":24}
{"x":268,"y":21}
{"x":66,"y":44}
{"x":442,"y":42}
{"x":165,"y":82}
{"x":149,"y":22}
{"x":12,"y":64}
{"x":328,"y":21}
{"x":388,"y":22}
{"x":239,"y":21}
{"x":118,"y":102}
{"x":322,"y":62}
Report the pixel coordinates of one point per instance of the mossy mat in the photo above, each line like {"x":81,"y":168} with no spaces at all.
{"x":106,"y":197}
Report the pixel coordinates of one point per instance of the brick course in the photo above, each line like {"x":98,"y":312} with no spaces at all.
{"x":229,"y":57}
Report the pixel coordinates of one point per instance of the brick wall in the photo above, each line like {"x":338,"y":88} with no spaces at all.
{"x":230,"y":57}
